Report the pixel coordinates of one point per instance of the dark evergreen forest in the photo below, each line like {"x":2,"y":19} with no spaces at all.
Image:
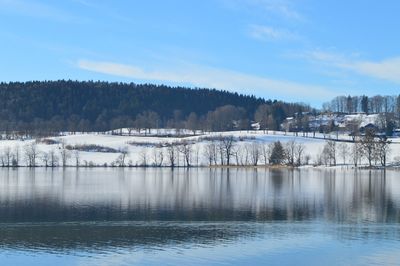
{"x":46,"y":107}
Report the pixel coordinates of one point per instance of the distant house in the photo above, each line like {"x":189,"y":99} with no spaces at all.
{"x":255,"y":126}
{"x":350,"y":123}
{"x":396,"y":132}
{"x":369,"y":126}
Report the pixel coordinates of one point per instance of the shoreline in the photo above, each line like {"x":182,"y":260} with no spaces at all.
{"x":266,"y":167}
{"x":250,"y":149}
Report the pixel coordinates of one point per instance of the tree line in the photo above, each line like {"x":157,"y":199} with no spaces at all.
{"x":217,"y":151}
{"x":40,"y":108}
{"x":365,"y":104}
{"x":369,"y":148}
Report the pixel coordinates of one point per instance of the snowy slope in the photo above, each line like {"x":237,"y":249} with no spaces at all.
{"x":313,"y":147}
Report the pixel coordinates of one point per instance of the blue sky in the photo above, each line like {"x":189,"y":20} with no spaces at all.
{"x":295,"y":50}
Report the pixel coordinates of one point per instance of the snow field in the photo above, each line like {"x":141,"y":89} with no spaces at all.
{"x":313,"y":146}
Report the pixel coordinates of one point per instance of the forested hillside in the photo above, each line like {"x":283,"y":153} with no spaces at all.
{"x":44,"y":107}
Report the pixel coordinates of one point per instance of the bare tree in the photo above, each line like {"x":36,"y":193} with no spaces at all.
{"x":325,"y":156}
{"x":49,"y":158}
{"x":241,"y":154}
{"x":158,"y":157}
{"x":15,"y":159}
{"x":130,"y":124}
{"x":237,"y":155}
{"x":64,"y":154}
{"x":294,"y":153}
{"x":77,"y":158}
{"x":192,"y":122}
{"x":254,"y":153}
{"x":122,"y":157}
{"x":368,"y":144}
{"x":196,"y":155}
{"x":7,"y":156}
{"x":155,"y":157}
{"x":383,"y":149}
{"x":210,"y":153}
{"x":319,"y":158}
{"x":245,"y":155}
{"x":343,"y":151}
{"x":299,"y":150}
{"x":185,"y":148}
{"x":261,"y":116}
{"x":31,"y":154}
{"x":354,"y":127}
{"x":307,"y":159}
{"x":290,"y":149}
{"x":331,"y":151}
{"x":221,"y":153}
{"x":266,"y":152}
{"x":356,"y":153}
{"x":171,"y":152}
{"x":147,"y":120}
{"x":225,"y":118}
{"x":53,"y":158}
{"x":45,"y":158}
{"x":143,"y":157}
{"x":226,"y":146}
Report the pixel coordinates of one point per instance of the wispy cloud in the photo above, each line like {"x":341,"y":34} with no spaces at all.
{"x":284,"y":9}
{"x":262,"y":32}
{"x":201,"y":76}
{"x":387,"y":69}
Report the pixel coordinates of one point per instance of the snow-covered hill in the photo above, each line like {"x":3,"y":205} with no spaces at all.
{"x":94,"y":149}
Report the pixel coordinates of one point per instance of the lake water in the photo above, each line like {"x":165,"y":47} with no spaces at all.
{"x":199,"y":217}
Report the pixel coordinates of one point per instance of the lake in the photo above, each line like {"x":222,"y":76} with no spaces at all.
{"x":200,"y":216}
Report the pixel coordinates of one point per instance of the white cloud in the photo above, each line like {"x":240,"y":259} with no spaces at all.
{"x":387,"y":69}
{"x":270,"y":33}
{"x":281,"y":7}
{"x":200,"y":76}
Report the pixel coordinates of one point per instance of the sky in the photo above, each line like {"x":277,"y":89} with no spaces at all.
{"x":293,"y":50}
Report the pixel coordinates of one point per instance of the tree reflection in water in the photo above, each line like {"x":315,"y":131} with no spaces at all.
{"x":95,"y":208}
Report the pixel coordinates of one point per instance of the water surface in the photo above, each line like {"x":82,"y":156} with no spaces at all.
{"x":199,"y":216}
